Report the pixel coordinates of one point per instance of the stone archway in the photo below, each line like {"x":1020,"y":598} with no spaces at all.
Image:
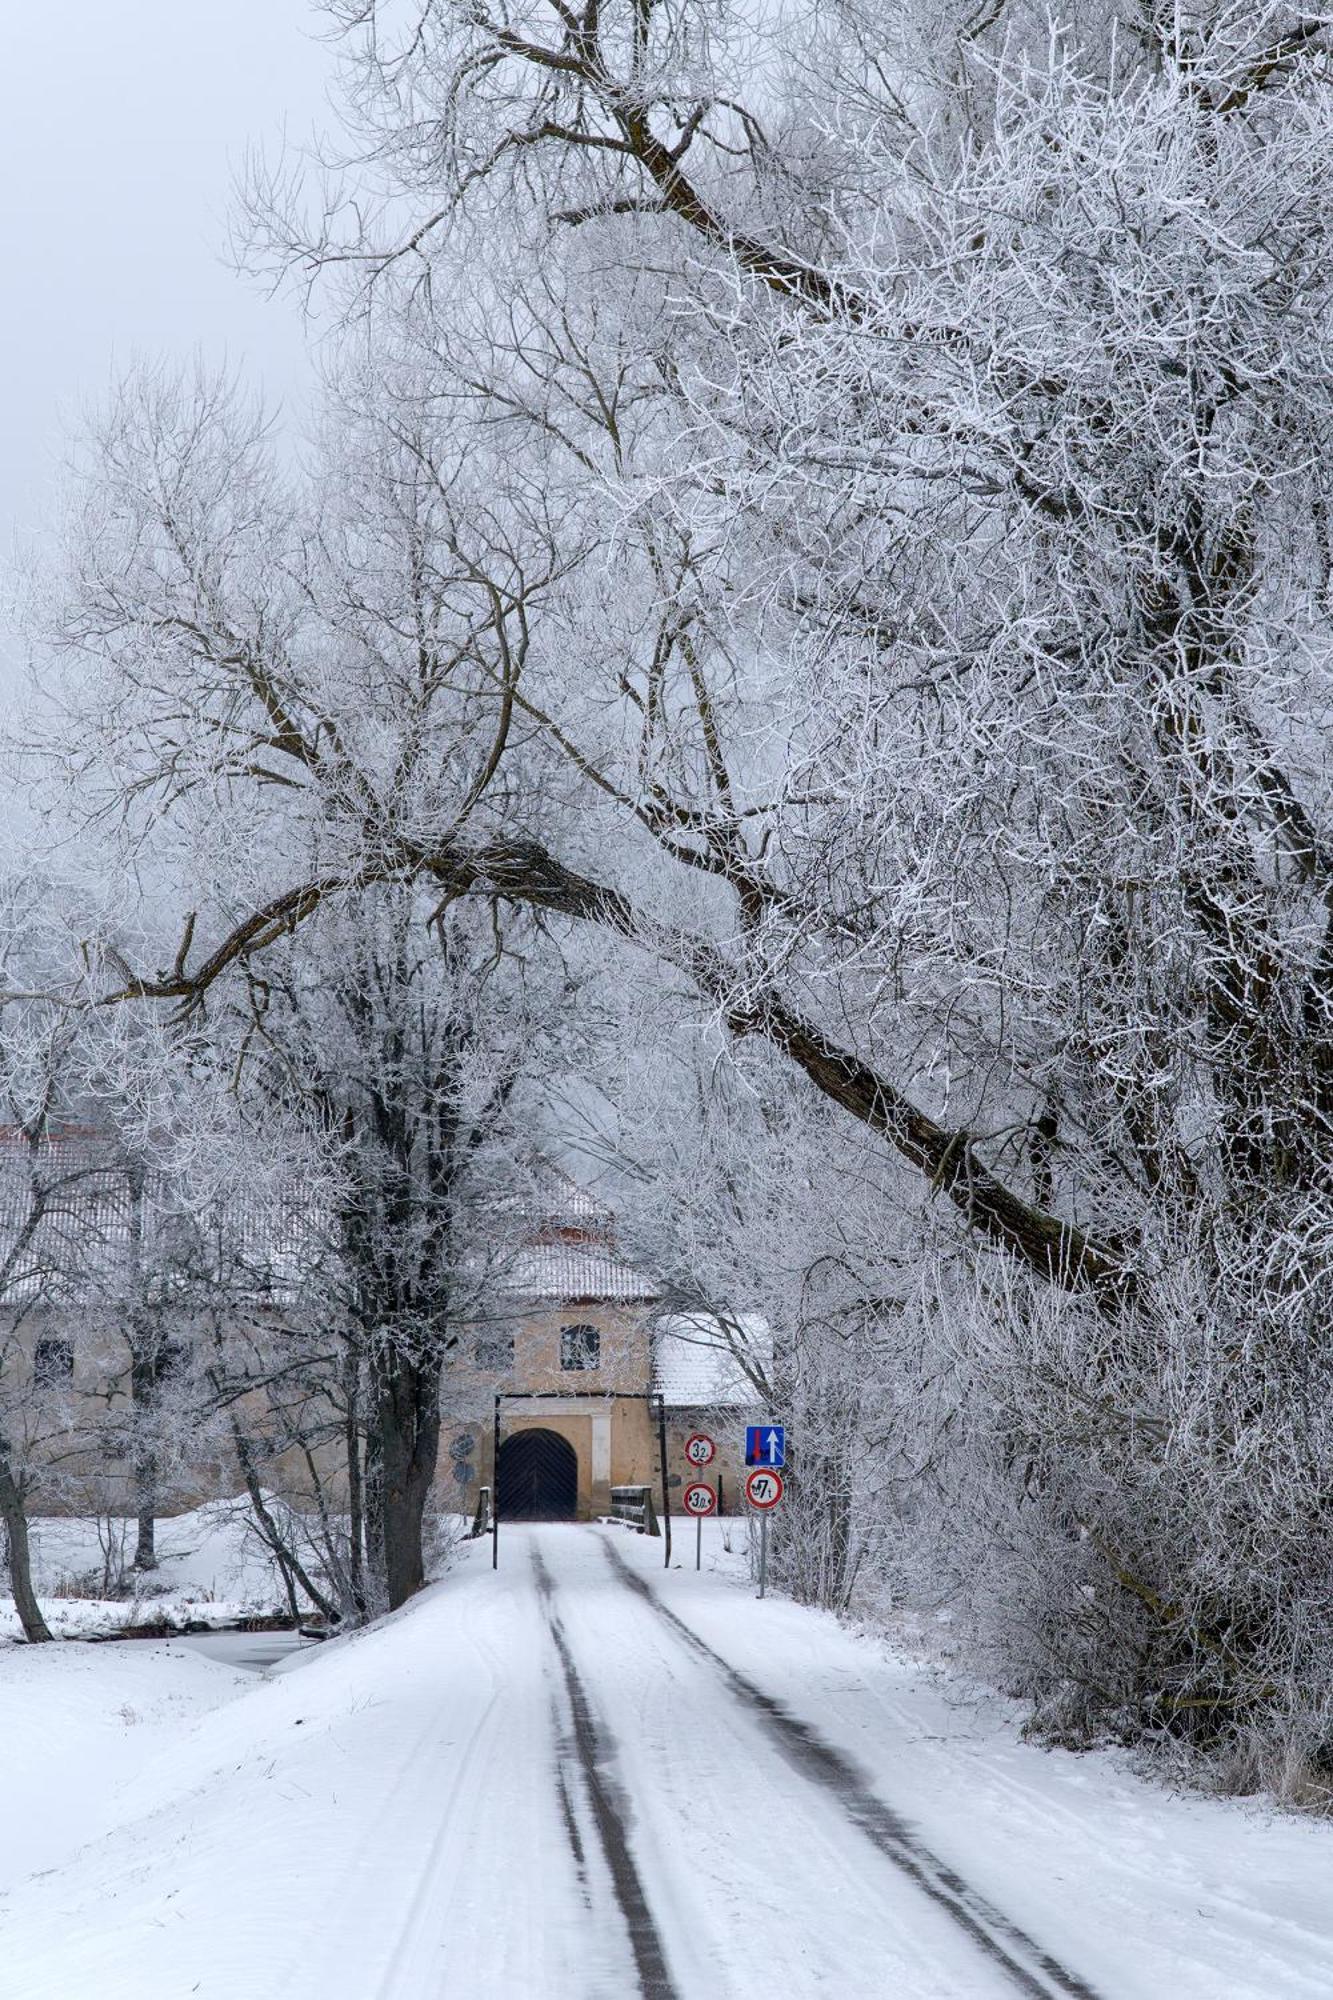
{"x":538,"y":1478}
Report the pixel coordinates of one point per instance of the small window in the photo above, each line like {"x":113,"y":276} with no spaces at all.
{"x":53,"y":1364}
{"x":495,"y":1353}
{"x":580,"y":1347}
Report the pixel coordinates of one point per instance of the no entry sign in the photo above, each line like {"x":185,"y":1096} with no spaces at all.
{"x":699,"y":1499}
{"x":763,"y":1489}
{"x":700,"y":1449}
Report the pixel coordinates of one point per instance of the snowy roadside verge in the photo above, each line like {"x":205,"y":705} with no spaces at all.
{"x":78,"y":1723}
{"x":1148,"y":1892}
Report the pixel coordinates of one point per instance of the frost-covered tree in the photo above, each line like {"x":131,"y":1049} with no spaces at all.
{"x":394,"y":1035}
{"x":776,"y":1238}
{"x":962,"y":384}
{"x":859,"y":537}
{"x":52,"y":1186}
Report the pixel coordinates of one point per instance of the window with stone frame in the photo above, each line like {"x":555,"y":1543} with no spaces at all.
{"x":580,"y":1347}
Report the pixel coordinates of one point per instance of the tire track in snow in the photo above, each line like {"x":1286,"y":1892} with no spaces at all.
{"x":1031,"y":1968}
{"x":595,"y":1751}
{"x":416,"y":1921}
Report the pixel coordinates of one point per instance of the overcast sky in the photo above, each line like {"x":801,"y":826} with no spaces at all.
{"x":122,"y":126}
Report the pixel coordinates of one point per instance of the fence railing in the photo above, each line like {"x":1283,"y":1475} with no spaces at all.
{"x":634,"y":1506}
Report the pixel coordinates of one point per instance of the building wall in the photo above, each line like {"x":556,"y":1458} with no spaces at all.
{"x":63,"y":1433}
{"x":613,"y":1439}
{"x":727,"y":1430}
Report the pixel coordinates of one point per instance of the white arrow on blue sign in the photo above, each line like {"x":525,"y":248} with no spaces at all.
{"x":766,"y":1444}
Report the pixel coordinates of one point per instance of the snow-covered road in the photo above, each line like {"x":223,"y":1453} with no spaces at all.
{"x":787,"y":1842}
{"x":588,"y":1779}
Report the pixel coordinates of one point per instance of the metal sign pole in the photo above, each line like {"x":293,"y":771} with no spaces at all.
{"x":495,"y":1490}
{"x":763,"y":1552}
{"x":666,"y":1490}
{"x":698,"y":1541}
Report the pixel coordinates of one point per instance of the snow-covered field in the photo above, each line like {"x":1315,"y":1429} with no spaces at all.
{"x":212,"y":1570}
{"x":536,"y":1784}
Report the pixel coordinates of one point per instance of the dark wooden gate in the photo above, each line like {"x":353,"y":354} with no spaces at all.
{"x":538,"y":1478}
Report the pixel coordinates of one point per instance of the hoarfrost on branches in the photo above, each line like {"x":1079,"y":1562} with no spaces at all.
{"x":836,"y":514}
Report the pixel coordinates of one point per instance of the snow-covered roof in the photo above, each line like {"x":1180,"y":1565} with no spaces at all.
{"x":101,"y":1218}
{"x":698,"y":1359}
{"x":563,"y":1246}
{"x":568,"y":1264}
{"x":563,"y":1202}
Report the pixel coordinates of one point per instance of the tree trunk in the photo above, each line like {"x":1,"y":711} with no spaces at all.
{"x":143,"y":1383}
{"x":145,"y":1539}
{"x":144,"y":1394}
{"x":406,"y":1389}
{"x":356,"y":1504}
{"x":35,"y":1628}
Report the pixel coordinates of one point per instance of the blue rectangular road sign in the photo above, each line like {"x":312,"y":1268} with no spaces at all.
{"x":766,"y":1444}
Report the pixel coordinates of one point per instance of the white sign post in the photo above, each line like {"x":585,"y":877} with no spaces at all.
{"x":763,"y":1490}
{"x":699,"y":1500}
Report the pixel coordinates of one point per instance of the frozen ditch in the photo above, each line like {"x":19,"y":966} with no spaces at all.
{"x":246,"y":1652}
{"x":252,"y":1652}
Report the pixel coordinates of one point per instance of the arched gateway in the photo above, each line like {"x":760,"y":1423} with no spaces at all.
{"x":538,"y":1478}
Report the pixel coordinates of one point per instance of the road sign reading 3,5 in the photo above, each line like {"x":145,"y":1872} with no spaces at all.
{"x":699,"y":1499}
{"x":766,"y":1444}
{"x":700,"y":1449}
{"x":763,"y":1489}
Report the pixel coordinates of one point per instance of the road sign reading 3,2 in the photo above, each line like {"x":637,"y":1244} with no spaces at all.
{"x":699,"y":1499}
{"x":700,"y":1449}
{"x":763,"y":1489}
{"x":766,"y":1444}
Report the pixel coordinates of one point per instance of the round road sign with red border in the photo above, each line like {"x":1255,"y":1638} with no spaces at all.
{"x":700,"y":1449}
{"x":763,"y":1489}
{"x":699,"y":1499}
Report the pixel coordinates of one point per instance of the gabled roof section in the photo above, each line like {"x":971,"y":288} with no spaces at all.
{"x":567,"y":1254}
{"x":575,"y":1272}
{"x":704,"y":1361}
{"x":562,"y":1203}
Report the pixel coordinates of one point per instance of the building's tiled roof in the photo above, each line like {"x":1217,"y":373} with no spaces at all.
{"x":560,"y":1250}
{"x":563,"y":1203}
{"x":563,"y":1247}
{"x":95,"y":1228}
{"x":568,"y":1265}
{"x":699,"y":1360}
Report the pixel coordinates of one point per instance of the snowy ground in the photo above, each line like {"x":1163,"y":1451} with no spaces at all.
{"x":538,"y":1783}
{"x":212,"y":1570}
